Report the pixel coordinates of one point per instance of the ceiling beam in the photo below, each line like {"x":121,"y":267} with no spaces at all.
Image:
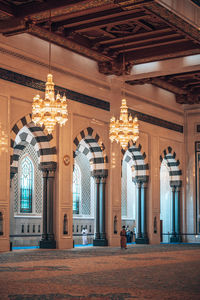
{"x":6,"y":9}
{"x":41,"y":11}
{"x":151,"y":46}
{"x":109,"y":21}
{"x":63,"y":42}
{"x":144,"y":41}
{"x":137,"y":36}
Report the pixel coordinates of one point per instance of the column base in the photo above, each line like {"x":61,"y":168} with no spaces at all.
{"x":175,"y":239}
{"x":100,"y":242}
{"x":47,"y":244}
{"x":142,"y":240}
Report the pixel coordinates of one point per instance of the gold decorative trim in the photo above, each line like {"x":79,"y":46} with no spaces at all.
{"x":66,"y":160}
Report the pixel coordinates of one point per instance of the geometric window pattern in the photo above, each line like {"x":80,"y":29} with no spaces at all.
{"x":26,"y":185}
{"x":86,"y":203}
{"x":76,"y":189}
{"x":37,"y":187}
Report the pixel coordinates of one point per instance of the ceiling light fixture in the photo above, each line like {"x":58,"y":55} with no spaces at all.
{"x":126,"y":128}
{"x":52,"y":109}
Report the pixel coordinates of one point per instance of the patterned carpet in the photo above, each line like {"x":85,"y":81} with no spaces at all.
{"x":140,"y":272}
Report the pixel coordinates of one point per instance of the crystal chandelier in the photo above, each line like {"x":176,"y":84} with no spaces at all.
{"x":124,"y":129}
{"x":3,"y":140}
{"x":52,"y":109}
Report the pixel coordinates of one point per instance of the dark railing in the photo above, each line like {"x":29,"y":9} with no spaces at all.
{"x":170,"y":234}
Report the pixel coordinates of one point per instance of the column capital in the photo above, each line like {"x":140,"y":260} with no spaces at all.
{"x":144,"y":185}
{"x":103,"y":179}
{"x":138,"y":184}
{"x":51,"y":173}
{"x":173,"y":188}
{"x":49,"y":166}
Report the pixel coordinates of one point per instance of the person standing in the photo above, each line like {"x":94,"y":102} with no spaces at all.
{"x":84,"y":236}
{"x":123,"y":238}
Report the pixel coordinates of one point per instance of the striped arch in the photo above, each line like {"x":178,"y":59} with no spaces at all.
{"x":89,"y":143}
{"x":173,"y":165}
{"x":26,"y":132}
{"x":137,"y":162}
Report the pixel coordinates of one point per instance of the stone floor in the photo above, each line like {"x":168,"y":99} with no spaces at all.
{"x":140,"y":272}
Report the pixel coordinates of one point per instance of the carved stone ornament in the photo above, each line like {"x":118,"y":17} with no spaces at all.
{"x":66,"y":160}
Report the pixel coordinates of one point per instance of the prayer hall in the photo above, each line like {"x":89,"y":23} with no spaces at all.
{"x":99,"y":131}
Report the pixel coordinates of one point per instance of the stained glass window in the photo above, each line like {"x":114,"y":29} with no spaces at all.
{"x":26,"y":185}
{"x":76,"y":189}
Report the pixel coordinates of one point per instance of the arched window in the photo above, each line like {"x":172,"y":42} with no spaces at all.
{"x":26,"y":185}
{"x":76,"y":189}
{"x":165,"y":201}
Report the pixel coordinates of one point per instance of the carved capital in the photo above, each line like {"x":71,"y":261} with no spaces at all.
{"x":114,"y":68}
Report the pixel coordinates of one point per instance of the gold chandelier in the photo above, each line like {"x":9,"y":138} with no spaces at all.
{"x":124,"y":129}
{"x":52,"y":109}
{"x":3,"y":140}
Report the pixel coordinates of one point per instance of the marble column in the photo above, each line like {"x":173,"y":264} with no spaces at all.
{"x":44,"y":218}
{"x":48,"y":241}
{"x":138,"y":224}
{"x":50,"y":182}
{"x":102,"y":208}
{"x":100,"y":235}
{"x":97,"y":233}
{"x":144,"y":213}
{"x":173,"y":237}
{"x":177,"y":213}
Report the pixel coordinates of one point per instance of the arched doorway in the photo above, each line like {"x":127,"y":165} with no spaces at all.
{"x":170,"y":197}
{"x":128,"y":201}
{"x":138,"y":176}
{"x":33,"y":163}
{"x":90,"y":160}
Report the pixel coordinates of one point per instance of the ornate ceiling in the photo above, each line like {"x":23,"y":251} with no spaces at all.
{"x":186,"y":86}
{"x":105,"y":30}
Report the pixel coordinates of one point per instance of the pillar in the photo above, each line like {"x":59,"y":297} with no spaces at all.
{"x":100,"y":235}
{"x":102,"y":208}
{"x":144,"y":213}
{"x":138,"y":223}
{"x":141,"y":225}
{"x":173,"y":237}
{"x":97,"y":233}
{"x":48,"y":241}
{"x":50,"y":183}
{"x":44,"y":217}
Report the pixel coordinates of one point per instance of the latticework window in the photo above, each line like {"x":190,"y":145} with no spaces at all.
{"x":76,"y":189}
{"x":37,"y":187}
{"x":26,"y":185}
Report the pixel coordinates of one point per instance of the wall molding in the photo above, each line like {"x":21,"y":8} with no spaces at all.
{"x":40,"y":86}
{"x":156,"y":121}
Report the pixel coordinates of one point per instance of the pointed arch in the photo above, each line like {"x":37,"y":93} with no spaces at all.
{"x":89,"y":143}
{"x":173,"y":165}
{"x":137,"y":161}
{"x":25,"y":132}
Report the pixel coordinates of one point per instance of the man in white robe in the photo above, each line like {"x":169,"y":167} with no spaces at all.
{"x":84,"y":236}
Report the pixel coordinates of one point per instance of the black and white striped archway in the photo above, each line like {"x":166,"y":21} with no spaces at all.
{"x":26,"y":132}
{"x":169,"y":158}
{"x":173,"y":165}
{"x":140,"y":176}
{"x":90,"y":144}
{"x":137,"y":161}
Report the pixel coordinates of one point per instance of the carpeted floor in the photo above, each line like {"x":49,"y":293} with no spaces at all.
{"x":140,"y":272}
